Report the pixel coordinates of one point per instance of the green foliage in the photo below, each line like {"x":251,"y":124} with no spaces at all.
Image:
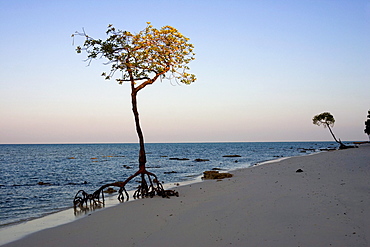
{"x":324,"y":118}
{"x":143,"y":57}
{"x":367,"y":124}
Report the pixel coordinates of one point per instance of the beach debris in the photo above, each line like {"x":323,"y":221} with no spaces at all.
{"x":71,"y":158}
{"x":299,"y":171}
{"x":232,"y":156}
{"x":201,"y":160}
{"x":168,"y":193}
{"x":216,"y":175}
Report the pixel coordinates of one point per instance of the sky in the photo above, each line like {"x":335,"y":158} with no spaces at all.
{"x":264,"y":69}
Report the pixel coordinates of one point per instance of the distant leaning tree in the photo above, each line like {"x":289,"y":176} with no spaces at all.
{"x":327,"y":120}
{"x":141,"y":59}
{"x":367,"y":124}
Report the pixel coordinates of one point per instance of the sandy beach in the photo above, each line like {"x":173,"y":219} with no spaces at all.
{"x":327,"y":204}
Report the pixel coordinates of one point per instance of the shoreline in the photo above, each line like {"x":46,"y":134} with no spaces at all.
{"x":18,"y":230}
{"x":55,"y":198}
{"x":187,"y":193}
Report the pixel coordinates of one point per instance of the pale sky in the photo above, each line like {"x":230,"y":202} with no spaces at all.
{"x":264,"y":69}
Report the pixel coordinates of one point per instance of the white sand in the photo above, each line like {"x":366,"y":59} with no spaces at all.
{"x":328,"y":204}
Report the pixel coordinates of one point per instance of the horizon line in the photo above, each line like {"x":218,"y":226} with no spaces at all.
{"x":190,"y":142}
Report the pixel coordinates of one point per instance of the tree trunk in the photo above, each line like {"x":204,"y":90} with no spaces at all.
{"x":149,"y":187}
{"x":332,"y":133}
{"x":142,"y":155}
{"x":342,"y":146}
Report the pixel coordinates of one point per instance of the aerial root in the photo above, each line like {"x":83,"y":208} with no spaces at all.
{"x":149,"y":187}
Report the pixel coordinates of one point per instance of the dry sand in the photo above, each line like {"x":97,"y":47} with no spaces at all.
{"x":328,"y":204}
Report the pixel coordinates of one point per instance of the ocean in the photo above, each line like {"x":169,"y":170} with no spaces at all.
{"x":40,"y":179}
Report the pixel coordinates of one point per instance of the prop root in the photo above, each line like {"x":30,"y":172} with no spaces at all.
{"x":149,"y":187}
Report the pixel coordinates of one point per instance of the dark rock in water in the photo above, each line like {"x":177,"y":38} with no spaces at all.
{"x":216,"y":175}
{"x":169,"y":172}
{"x":201,"y":160}
{"x":299,"y":170}
{"x":153,"y":167}
{"x":232,"y":155}
{"x":42,"y":183}
{"x":179,"y":159}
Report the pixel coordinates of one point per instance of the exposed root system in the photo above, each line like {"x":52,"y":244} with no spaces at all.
{"x":149,"y":187}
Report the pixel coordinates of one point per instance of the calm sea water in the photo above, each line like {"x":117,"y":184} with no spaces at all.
{"x":67,"y":168}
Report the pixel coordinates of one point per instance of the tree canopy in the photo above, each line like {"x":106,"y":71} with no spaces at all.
{"x":325,"y":119}
{"x":142,"y":57}
{"x":367,"y":124}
